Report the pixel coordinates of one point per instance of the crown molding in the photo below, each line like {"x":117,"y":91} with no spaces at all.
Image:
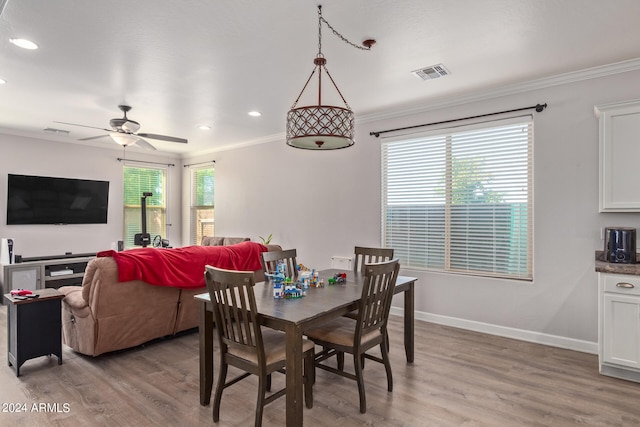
{"x":560,"y":79}
{"x":256,"y":141}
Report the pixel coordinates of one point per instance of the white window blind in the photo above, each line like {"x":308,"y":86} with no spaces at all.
{"x":202,"y":204}
{"x":138,"y":180}
{"x":460,"y":199}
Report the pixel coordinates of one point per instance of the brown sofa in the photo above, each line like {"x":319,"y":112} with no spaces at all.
{"x":105,"y":315}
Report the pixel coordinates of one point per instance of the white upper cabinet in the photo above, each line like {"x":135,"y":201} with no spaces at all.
{"x":619,"y":154}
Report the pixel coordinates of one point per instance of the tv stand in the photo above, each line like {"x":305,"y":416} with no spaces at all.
{"x":44,"y":272}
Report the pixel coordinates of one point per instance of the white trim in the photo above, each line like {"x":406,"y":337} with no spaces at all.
{"x":507,"y":332}
{"x":426,"y":105}
{"x":560,"y":79}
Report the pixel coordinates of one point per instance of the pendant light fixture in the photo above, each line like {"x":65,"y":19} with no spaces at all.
{"x":322,"y":127}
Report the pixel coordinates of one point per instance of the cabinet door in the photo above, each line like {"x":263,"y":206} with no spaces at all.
{"x":621,"y":334}
{"x":23,"y":277}
{"x":619,"y":151}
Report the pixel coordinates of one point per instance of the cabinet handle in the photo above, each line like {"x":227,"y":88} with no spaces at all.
{"x":625,"y":285}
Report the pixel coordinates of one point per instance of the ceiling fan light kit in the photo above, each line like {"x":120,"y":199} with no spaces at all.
{"x":124,"y":132}
{"x":322,"y":127}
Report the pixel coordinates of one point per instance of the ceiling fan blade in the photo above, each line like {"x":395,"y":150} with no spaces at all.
{"x":162,"y":137}
{"x":84,"y":126}
{"x":144,"y":144}
{"x":93,"y":137}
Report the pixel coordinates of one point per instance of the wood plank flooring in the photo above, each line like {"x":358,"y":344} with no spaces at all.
{"x":459,"y":378}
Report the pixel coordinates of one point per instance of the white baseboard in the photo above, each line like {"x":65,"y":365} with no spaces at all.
{"x":503,"y":331}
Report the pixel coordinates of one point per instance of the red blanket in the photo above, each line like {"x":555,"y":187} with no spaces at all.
{"x":184,"y":267}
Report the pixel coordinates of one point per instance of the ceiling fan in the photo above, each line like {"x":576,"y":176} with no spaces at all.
{"x":124,"y":132}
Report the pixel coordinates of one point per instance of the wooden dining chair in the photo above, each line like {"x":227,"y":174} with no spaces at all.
{"x":363,"y":255}
{"x":370,"y":255}
{"x":271,"y":259}
{"x":368,"y":330}
{"x":246,"y":345}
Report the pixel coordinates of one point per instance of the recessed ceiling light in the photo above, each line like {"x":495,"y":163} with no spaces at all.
{"x":204,"y":127}
{"x":255,"y":113}
{"x":23,"y":43}
{"x":2,"y":81}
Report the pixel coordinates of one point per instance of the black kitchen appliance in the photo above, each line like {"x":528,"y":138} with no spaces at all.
{"x":620,"y":245}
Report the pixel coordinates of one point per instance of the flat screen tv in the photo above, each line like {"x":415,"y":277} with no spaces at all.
{"x":49,"y":200}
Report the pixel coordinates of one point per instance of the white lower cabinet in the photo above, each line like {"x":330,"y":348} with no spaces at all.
{"x":619,"y":325}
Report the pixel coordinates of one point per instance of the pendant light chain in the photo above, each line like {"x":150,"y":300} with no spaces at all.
{"x":320,"y":31}
{"x":341,"y":37}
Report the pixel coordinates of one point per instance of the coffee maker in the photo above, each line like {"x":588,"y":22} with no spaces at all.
{"x":620,"y":245}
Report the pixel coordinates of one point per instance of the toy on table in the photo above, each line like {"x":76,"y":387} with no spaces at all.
{"x":338,"y":278}
{"x":315,"y":280}
{"x":285,"y":287}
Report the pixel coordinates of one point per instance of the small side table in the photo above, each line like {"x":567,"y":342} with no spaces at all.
{"x":34,"y":327}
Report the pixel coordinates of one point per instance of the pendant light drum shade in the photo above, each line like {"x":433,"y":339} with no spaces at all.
{"x":320,"y":127}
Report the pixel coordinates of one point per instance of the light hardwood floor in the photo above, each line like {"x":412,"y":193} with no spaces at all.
{"x":459,"y":378}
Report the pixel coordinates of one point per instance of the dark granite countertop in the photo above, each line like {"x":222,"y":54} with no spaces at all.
{"x":603,"y":266}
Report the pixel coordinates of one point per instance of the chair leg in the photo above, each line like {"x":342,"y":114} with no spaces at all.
{"x":384,"y":350}
{"x":262,"y":391}
{"x":269,"y":382}
{"x":309,"y":378}
{"x":222,"y":379}
{"x":340,"y":359}
{"x":360,"y":381}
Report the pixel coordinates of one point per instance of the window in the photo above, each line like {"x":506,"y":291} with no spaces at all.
{"x":137,"y":181}
{"x":460,"y":199}
{"x":202,"y":204}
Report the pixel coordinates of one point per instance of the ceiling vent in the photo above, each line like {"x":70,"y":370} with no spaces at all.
{"x":53,"y":130}
{"x":432,"y":72}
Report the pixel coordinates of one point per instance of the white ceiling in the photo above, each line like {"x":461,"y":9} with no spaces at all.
{"x":181,"y":64}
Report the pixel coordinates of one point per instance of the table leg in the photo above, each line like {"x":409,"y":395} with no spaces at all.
{"x":294,"y":376}
{"x":205,"y":332}
{"x":409,"y":314}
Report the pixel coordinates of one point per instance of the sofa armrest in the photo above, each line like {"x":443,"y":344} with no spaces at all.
{"x":74,"y":299}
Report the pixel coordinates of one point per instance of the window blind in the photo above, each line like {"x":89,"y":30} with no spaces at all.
{"x":202,"y":204}
{"x":460,"y":199}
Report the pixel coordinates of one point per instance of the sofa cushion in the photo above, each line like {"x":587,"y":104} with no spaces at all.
{"x":234,"y":240}
{"x":222,"y":241}
{"x":211,"y":241}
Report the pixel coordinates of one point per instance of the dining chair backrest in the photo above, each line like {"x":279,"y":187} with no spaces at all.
{"x":234,"y":308}
{"x":365,"y":255}
{"x":271,"y":259}
{"x":377,"y":293}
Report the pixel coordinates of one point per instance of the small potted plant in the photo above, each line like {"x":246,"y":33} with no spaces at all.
{"x":267,"y":240}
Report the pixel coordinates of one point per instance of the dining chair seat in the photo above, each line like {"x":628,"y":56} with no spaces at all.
{"x":341,"y":331}
{"x":274,"y":348}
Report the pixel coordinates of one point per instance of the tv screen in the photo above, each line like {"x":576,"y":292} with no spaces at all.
{"x":48,"y":200}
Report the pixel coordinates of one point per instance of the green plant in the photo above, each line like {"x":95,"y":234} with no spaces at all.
{"x":266,"y":241}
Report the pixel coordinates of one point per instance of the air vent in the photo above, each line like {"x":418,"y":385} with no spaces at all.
{"x":432,"y":72}
{"x":53,"y":130}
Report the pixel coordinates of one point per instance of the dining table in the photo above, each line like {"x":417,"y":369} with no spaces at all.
{"x":294,"y":316}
